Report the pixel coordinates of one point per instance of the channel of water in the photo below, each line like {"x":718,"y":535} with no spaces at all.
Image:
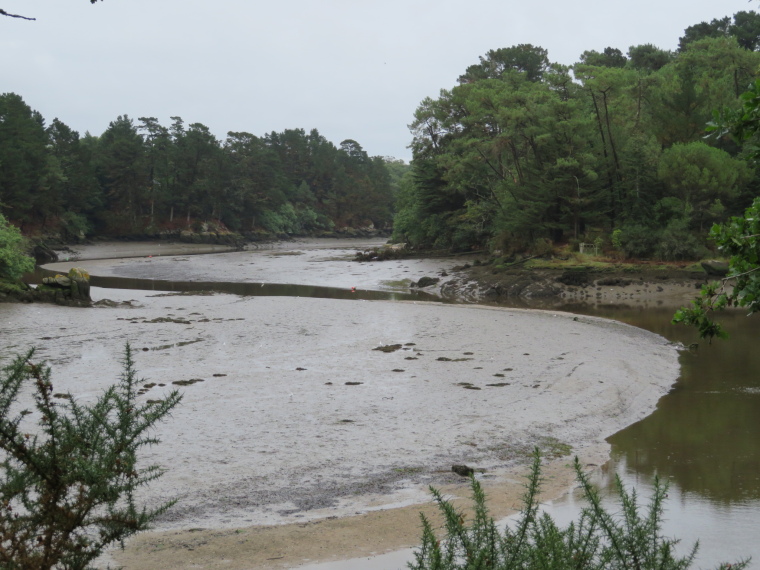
{"x":702,"y":438}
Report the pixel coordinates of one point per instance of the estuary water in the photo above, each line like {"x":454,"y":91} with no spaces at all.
{"x":703,"y":438}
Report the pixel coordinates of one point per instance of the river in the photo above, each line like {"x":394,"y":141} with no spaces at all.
{"x":702,"y":438}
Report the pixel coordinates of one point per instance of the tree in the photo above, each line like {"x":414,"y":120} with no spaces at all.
{"x":68,"y":486}
{"x":531,"y":60}
{"x":610,"y":57}
{"x":702,"y":177}
{"x":13,"y":261}
{"x":121,"y":168}
{"x":648,"y":58}
{"x":738,"y":238}
{"x":745,"y":28}
{"x":23,"y":159}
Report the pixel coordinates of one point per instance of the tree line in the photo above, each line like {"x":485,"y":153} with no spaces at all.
{"x":524,"y":152}
{"x":145,"y":177}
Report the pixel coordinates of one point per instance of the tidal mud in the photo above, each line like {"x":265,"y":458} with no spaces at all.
{"x":291,"y":415}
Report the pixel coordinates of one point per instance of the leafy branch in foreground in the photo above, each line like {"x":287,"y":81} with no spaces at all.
{"x":596,"y":540}
{"x":740,"y":239}
{"x":67,"y":485}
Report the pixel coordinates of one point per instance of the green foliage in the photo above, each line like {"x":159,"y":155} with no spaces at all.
{"x":616,"y":239}
{"x":676,"y":243}
{"x":738,"y":239}
{"x":522,"y":147}
{"x":146,"y":177}
{"x":700,"y":176}
{"x":13,"y":261}
{"x":638,"y":241}
{"x":67,"y":484}
{"x":598,"y":539}
{"x":76,"y":225}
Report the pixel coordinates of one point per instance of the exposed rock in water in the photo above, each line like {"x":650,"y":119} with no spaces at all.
{"x":715,"y":268}
{"x":72,"y":289}
{"x":462,"y":470}
{"x":576,"y":276}
{"x":388,"y":348}
{"x":426,"y":282}
{"x":43,"y":254}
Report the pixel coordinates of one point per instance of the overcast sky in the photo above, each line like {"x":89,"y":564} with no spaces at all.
{"x":350,"y":68}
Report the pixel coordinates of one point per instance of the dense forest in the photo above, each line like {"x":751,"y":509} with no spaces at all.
{"x":520,"y":156}
{"x":145,"y":178}
{"x":524,"y":154}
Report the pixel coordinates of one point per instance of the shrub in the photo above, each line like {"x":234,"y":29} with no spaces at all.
{"x":542,"y":247}
{"x":597,"y":540}
{"x":13,"y":261}
{"x":67,"y":487}
{"x":638,"y":241}
{"x":678,"y":243}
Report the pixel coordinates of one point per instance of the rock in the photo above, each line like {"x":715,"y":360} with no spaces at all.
{"x":43,"y":254}
{"x":462,"y":470}
{"x":575,"y":277}
{"x":71,"y":289}
{"x":427,"y":281}
{"x":388,"y":348}
{"x":715,"y":268}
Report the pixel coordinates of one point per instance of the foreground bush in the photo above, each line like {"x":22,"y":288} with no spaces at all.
{"x":13,"y":261}
{"x":67,"y":486}
{"x":597,"y":540}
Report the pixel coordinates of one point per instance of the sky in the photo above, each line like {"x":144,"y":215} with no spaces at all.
{"x":353,"y":69}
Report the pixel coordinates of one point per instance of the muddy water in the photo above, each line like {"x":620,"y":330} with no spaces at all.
{"x":703,"y":437}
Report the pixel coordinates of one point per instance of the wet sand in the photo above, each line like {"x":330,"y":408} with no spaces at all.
{"x":298,"y":442}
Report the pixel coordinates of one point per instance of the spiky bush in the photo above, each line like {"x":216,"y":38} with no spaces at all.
{"x":67,"y":485}
{"x":596,"y":540}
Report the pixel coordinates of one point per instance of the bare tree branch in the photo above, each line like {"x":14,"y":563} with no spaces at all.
{"x":4,"y":13}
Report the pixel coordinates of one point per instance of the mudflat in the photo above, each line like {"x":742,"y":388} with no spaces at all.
{"x":310,"y":428}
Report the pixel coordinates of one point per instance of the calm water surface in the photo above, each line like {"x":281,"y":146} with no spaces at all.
{"x":704,"y":438}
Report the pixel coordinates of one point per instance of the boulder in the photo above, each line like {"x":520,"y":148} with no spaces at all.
{"x":427,"y":281}
{"x":715,"y":268}
{"x":70,"y":289}
{"x":43,"y":254}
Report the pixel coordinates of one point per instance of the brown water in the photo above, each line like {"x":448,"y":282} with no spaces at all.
{"x":703,"y":438}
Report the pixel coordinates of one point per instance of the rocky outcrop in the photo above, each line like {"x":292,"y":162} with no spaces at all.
{"x":221,"y":238}
{"x":43,"y":254}
{"x":715,"y":268}
{"x":426,"y":282}
{"x":71,"y":289}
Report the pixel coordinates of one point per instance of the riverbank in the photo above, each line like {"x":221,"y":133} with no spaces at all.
{"x":297,"y":441}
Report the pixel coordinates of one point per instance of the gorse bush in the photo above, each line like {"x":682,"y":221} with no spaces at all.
{"x":596,"y":540}
{"x":67,"y":486}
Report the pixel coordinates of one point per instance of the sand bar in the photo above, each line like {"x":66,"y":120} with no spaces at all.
{"x":297,"y":434}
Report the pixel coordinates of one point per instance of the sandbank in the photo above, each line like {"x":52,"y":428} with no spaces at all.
{"x":299,"y":442}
